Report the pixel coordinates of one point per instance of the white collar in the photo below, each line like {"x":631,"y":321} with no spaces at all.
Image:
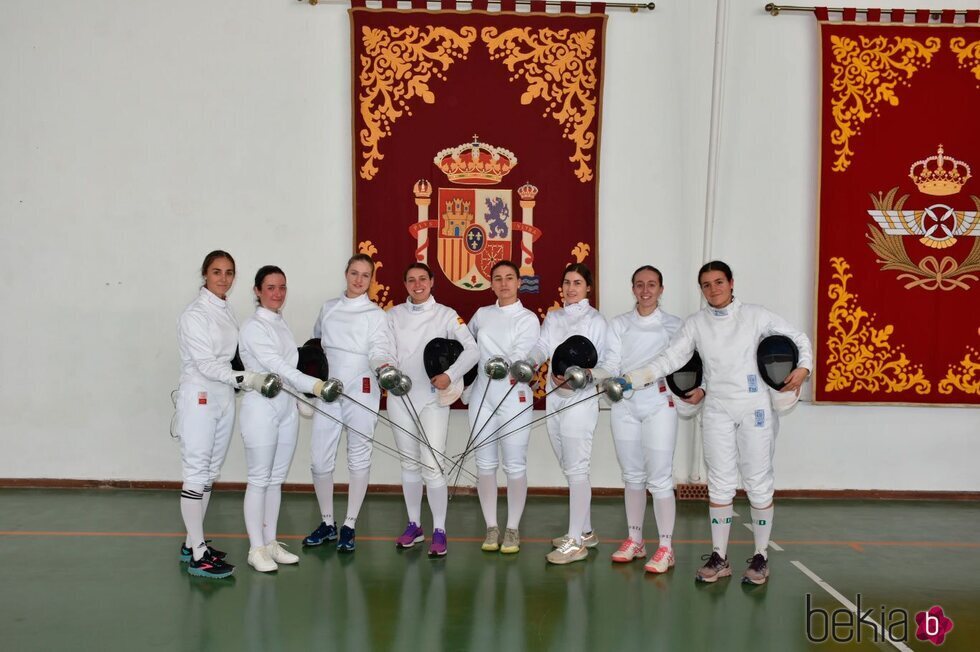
{"x":267,"y":315}
{"x":420,"y":307}
{"x":730,"y":309}
{"x":213,"y":298}
{"x":578,"y":307}
{"x":509,"y":307}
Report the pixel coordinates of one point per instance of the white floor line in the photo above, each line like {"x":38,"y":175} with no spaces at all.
{"x":772,"y":544}
{"x":850,"y":605}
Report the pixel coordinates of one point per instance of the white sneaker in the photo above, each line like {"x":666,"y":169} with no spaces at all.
{"x":259,"y":559}
{"x":567,"y":553}
{"x":628,"y":551}
{"x":278,"y":553}
{"x":661,"y":561}
{"x":589,"y":539}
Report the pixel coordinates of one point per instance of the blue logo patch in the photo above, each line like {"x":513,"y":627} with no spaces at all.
{"x":753,"y":383}
{"x":760,"y":418}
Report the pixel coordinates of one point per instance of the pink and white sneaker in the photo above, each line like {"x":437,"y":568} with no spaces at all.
{"x":661,"y":562}
{"x":628,"y":551}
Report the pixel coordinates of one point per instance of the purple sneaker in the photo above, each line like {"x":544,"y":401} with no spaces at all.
{"x":413,"y":534}
{"x":438,"y":546}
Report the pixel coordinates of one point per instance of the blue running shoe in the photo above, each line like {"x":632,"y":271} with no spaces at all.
{"x":211,"y":567}
{"x":186,"y":556}
{"x":323,"y":532}
{"x":346,"y":543}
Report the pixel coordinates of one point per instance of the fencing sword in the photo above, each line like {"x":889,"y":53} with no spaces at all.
{"x":417,"y":419}
{"x":394,"y":452}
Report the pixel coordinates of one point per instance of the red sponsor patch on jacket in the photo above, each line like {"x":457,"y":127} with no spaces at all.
{"x":366,"y":385}
{"x":202,"y":398}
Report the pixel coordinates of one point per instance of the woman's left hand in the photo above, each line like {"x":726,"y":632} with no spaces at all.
{"x":559,"y":380}
{"x":442,"y":381}
{"x":795,"y":379}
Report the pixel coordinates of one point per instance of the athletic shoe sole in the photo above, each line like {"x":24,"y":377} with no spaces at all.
{"x":711,"y":580}
{"x":405,"y":546}
{"x":209,"y":573}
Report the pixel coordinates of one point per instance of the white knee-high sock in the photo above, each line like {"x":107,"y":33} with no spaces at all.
{"x":579,"y":505}
{"x":205,"y":500}
{"x":270,"y":519}
{"x":413,"y":500}
{"x":255,"y":515}
{"x":486,"y":487}
{"x":193,"y":515}
{"x":635,"y":498}
{"x":438,"y":505}
{"x":762,"y":529}
{"x":721,"y":524}
{"x":356,"y":491}
{"x":323,"y":484}
{"x":516,"y":499}
{"x":665,"y":512}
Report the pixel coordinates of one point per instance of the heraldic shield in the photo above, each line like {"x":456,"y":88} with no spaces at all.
{"x":474,"y":233}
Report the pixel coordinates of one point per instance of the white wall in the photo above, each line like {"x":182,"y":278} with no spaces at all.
{"x":134,"y":137}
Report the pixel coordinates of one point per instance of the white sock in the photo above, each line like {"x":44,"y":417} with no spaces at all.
{"x":193,"y":515}
{"x":516,"y":499}
{"x":273,"y":499}
{"x":486,"y":487}
{"x":356,"y":490}
{"x":635,"y":497}
{"x":762,"y":529}
{"x":721,"y":524}
{"x":665,"y":512}
{"x":413,"y":500}
{"x":579,"y":504}
{"x":254,"y":515}
{"x":438,"y":505}
{"x":205,"y":500}
{"x":323,"y":484}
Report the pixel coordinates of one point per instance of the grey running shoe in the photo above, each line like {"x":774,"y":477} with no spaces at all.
{"x":512,"y":542}
{"x":491,"y":542}
{"x":589,"y":539}
{"x":757,"y":572}
{"x":715,"y":568}
{"x":568,"y":552}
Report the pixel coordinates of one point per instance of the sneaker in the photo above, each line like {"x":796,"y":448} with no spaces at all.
{"x":512,"y":541}
{"x":661,"y":562}
{"x":589,"y":539}
{"x":628,"y":551}
{"x":259,"y":559}
{"x":438,"y":547}
{"x":323,"y":532}
{"x":490,"y":543}
{"x":346,"y":543}
{"x":715,"y":568}
{"x":758,"y":570}
{"x":279,"y":554}
{"x":567,"y":553}
{"x":186,"y":555}
{"x":210,"y":566}
{"x":413,"y":534}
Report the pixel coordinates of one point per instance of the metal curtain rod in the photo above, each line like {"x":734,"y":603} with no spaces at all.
{"x":633,"y":7}
{"x":774,"y":10}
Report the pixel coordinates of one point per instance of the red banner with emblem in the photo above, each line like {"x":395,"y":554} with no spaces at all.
{"x":898,"y":262}
{"x":476,"y":139}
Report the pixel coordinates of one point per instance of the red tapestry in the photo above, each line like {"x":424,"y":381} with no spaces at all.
{"x":476,"y":139}
{"x":898,"y":261}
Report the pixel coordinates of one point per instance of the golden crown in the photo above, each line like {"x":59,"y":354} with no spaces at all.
{"x":476,"y":163}
{"x":939,"y":175}
{"x":422,"y":189}
{"x":527,"y":192}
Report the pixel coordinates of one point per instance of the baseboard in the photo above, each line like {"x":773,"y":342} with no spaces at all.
{"x":684,"y":491}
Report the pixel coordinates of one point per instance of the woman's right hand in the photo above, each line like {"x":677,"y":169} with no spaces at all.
{"x":694,"y":396}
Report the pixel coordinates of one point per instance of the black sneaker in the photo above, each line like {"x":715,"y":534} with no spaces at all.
{"x":346,"y":543}
{"x":186,"y":555}
{"x":715,"y":568}
{"x":210,"y":566}
{"x":323,"y":532}
{"x":757,"y":572}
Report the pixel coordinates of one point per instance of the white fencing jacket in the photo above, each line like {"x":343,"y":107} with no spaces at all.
{"x":207,"y":334}
{"x":268,"y":345}
{"x":355,"y":337}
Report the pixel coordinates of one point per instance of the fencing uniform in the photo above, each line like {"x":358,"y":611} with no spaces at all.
{"x":269,"y":425}
{"x":644,"y":427}
{"x":738,"y":421}
{"x":356,"y":339}
{"x":572,"y":429}
{"x":412,"y":327}
{"x":207,"y":335}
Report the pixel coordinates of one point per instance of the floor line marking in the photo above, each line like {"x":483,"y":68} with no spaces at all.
{"x":772,"y":544}
{"x":850,"y":605}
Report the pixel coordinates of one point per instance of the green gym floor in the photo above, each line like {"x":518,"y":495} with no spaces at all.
{"x":98,"y":570}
